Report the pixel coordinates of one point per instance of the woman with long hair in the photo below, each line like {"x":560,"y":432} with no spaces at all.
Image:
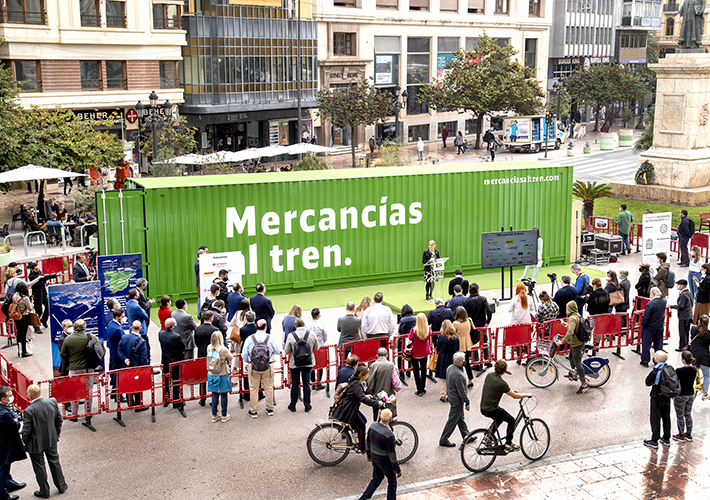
{"x":288,"y":322}
{"x":702,"y":299}
{"x":700,"y":349}
{"x":625,"y":286}
{"x":238,"y":321}
{"x":420,"y":336}
{"x":462,"y":326}
{"x":447,"y":345}
{"x":519,"y":312}
{"x":25,"y":307}
{"x":643,"y":285}
{"x":429,"y":256}
{"x":364,"y":304}
{"x":164,"y":311}
{"x":683,"y":402}
{"x":547,"y":311}
{"x":218,"y":359}
{"x":694,"y":269}
{"x":598,"y":301}
{"x":348,"y":411}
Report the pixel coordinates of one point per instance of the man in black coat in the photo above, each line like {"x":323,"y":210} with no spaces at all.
{"x":203,"y":337}
{"x":563,"y":295}
{"x":685,"y":313}
{"x":143,"y":301}
{"x":652,"y":323}
{"x":81,"y":271}
{"x":262,"y":306}
{"x":172,"y":350}
{"x":458,"y":280}
{"x":249,"y":328}
{"x":684,"y":235}
{"x":438,"y":315}
{"x":42,"y":425}
{"x":11,"y":449}
{"x":480,"y":312}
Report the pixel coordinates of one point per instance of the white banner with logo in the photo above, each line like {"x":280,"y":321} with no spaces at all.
{"x":212,"y":263}
{"x":656,"y":236}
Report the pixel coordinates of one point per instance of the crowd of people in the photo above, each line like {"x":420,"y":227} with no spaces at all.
{"x":55,"y":216}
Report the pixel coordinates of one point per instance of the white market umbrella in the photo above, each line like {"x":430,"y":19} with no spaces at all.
{"x":305,"y":147}
{"x":36,"y":173}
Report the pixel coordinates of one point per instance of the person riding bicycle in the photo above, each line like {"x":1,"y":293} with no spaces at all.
{"x":576,"y":346}
{"x":493,"y":389}
{"x":348,"y":410}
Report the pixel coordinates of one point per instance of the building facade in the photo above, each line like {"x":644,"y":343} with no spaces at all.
{"x":407,"y":43}
{"x":671,"y":23}
{"x":239,"y":72}
{"x":95,"y":57}
{"x":635,"y":20}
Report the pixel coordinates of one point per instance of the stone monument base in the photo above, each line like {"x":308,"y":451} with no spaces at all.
{"x":683,"y":197}
{"x":679,"y":168}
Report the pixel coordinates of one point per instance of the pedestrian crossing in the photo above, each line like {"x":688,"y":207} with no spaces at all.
{"x":617,"y":166}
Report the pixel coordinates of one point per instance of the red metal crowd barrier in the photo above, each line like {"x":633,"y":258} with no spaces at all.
{"x":366,"y":349}
{"x":604,"y":225}
{"x":7,"y":329}
{"x":484,"y":351}
{"x":608,"y":331}
{"x":19,"y":383}
{"x":62,"y":266}
{"x":5,"y":367}
{"x":518,"y":339}
{"x":550,"y":329}
{"x":191,"y":373}
{"x":72,"y":390}
{"x":397,"y":345}
{"x":134,"y":383}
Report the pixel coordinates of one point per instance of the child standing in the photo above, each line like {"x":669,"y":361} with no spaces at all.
{"x":684,"y":401}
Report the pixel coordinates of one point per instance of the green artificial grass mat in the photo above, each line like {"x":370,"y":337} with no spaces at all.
{"x":398,"y":294}
{"x":609,"y":207}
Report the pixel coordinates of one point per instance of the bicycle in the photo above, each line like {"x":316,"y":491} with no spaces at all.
{"x":481,"y":446}
{"x":543,"y":370}
{"x":331,"y":441}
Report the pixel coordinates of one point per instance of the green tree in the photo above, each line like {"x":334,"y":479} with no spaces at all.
{"x":645,"y":140}
{"x":175,"y":140}
{"x":352,"y":106}
{"x":588,"y":192}
{"x":390,"y":154}
{"x":485,"y":80}
{"x":310,"y":162}
{"x":603,"y":85}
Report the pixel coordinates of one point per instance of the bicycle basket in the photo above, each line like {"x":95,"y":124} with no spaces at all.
{"x":544,"y":347}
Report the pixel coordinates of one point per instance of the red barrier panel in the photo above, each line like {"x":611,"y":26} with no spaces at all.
{"x":7,"y":329}
{"x":604,"y":225}
{"x":76,"y":388}
{"x":62,"y":266}
{"x":324,"y":362}
{"x":484,"y":351}
{"x":549,"y":329}
{"x":192,"y":372}
{"x":19,"y":383}
{"x":608,"y":331}
{"x":518,"y":338}
{"x":703,"y":241}
{"x":134,"y":381}
{"x":640,"y":303}
{"x":396,"y":348}
{"x":366,"y":349}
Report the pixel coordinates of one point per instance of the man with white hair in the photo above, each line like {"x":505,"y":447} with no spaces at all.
{"x":458,"y":399}
{"x":381,"y":450}
{"x":383,"y":377}
{"x":652,"y":323}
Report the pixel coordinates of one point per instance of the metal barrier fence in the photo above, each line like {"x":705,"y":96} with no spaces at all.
{"x":62,"y":266}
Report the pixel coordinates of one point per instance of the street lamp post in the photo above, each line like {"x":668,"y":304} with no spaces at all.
{"x":398,"y":105}
{"x":149,"y":118}
{"x":559,"y":88}
{"x":640,"y":125}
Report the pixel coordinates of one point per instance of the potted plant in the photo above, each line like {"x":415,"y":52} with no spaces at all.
{"x":587,"y":148}
{"x":570,"y":148}
{"x":6,"y":255}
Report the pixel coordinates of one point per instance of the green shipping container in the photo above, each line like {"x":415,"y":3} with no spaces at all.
{"x":333,"y":228}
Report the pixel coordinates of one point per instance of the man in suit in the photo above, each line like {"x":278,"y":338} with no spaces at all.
{"x":172,"y":350}
{"x":203,"y":338}
{"x":143,"y":301}
{"x":132,"y":352}
{"x":11,"y":449}
{"x":234,"y":300}
{"x":563,"y":295}
{"x":42,"y":425}
{"x":262,"y":306}
{"x":111,"y":304}
{"x":458,"y":280}
{"x":249,"y":328}
{"x":652,"y":323}
{"x":480,"y":312}
{"x":115,"y":334}
{"x":81,"y":271}
{"x":185,"y":327}
{"x":438,"y":315}
{"x":136,"y":313}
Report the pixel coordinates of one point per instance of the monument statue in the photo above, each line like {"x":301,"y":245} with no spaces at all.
{"x":691,"y":31}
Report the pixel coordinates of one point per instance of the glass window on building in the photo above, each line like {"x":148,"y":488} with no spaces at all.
{"x":90,"y":12}
{"x":451,"y":127}
{"x":345,"y":3}
{"x":166,"y":16}
{"x":27,"y":76}
{"x":502,"y":6}
{"x":23,"y":12}
{"x":387,"y":52}
{"x":115,"y":75}
{"x":419,"y":5}
{"x":446,"y":47}
{"x":115,"y":14}
{"x":168,"y":79}
{"x":534,"y":8}
{"x":476,"y":6}
{"x":418,"y":60}
{"x":90,"y":75}
{"x":387,"y":4}
{"x":449,"y":6}
{"x":502,"y":42}
{"x":471,"y":126}
{"x":417,"y":131}
{"x":344,"y":44}
{"x":531,"y":54}
{"x":471,"y":43}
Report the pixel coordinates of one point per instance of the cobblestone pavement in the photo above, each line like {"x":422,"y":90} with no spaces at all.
{"x":620,"y":472}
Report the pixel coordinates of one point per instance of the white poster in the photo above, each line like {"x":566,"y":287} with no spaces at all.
{"x":656,"y":236}
{"x":383,"y":70}
{"x":212,"y":263}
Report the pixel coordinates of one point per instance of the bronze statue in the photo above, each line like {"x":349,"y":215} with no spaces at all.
{"x":691,"y":31}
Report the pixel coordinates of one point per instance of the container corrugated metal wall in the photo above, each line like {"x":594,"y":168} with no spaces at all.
{"x":458,"y":203}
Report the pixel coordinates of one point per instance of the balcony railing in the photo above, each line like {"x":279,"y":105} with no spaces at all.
{"x":91,"y":20}
{"x":22,"y":16}
{"x":671,"y":7}
{"x":116,"y":21}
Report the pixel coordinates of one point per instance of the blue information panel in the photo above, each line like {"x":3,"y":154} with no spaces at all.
{"x":118,"y":274}
{"x":509,"y":248}
{"x":74,"y":301}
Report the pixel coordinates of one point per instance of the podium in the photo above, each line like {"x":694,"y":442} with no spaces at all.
{"x":438,"y":268}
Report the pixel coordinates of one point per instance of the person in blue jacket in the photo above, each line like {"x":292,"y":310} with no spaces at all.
{"x":133,"y":352}
{"x":114,"y":331}
{"x":652,"y":323}
{"x":580,"y":281}
{"x":135,"y":312}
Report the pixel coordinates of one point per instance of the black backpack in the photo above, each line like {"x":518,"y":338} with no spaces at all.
{"x":691,"y":226}
{"x":668,"y":381}
{"x":670,"y":280}
{"x":223,"y":290}
{"x":302,"y":351}
{"x":94,"y":351}
{"x":587,"y":288}
{"x":584,"y":330}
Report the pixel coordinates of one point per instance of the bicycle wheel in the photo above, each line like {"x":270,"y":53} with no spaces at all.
{"x":601,"y":376}
{"x":328,"y":444}
{"x":479,"y":451}
{"x":535,"y":439}
{"x":407,"y":440}
{"x":540,"y":372}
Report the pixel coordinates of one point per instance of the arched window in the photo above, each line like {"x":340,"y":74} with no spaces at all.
{"x":670,"y":25}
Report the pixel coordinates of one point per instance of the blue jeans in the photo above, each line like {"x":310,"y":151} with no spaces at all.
{"x":301,"y":376}
{"x":691,"y":282}
{"x":706,"y":377}
{"x":215,"y":400}
{"x":381,"y":469}
{"x":624,"y":242}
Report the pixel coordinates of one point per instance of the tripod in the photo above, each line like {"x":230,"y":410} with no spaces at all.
{"x":555,"y":284}
{"x":534,"y":301}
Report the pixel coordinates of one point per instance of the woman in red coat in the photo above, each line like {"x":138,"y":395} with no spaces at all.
{"x":164,"y":311}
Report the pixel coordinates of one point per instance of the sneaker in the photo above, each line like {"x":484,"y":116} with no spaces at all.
{"x":253,"y":415}
{"x":665,"y":441}
{"x":510,"y":448}
{"x":270,"y":412}
{"x":688,"y":437}
{"x":679,"y":437}
{"x":582,"y":389}
{"x":650,"y":444}
{"x":215,"y":418}
{"x":226,"y":418}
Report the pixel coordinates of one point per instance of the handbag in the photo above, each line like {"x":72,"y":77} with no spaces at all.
{"x":616,"y":298}
{"x":474,"y":333}
{"x":34,"y":320}
{"x":432,"y":361}
{"x":407,"y":353}
{"x":234,"y":336}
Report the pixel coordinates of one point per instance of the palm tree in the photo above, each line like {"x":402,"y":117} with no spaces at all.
{"x":588,"y":192}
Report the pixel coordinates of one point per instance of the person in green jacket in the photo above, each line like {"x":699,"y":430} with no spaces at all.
{"x":623,"y":221}
{"x":576,"y":346}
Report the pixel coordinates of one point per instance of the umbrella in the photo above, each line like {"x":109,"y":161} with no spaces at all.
{"x":305,"y":147}
{"x":35,"y":173}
